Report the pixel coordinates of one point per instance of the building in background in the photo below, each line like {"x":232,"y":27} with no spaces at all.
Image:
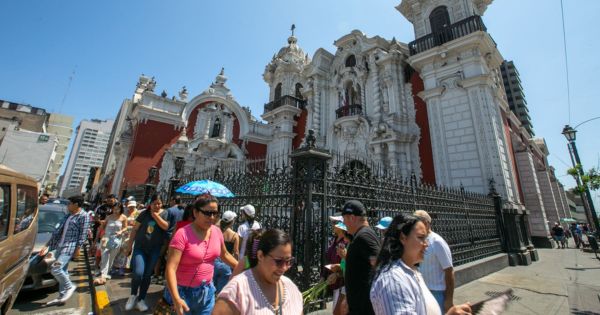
{"x":62,"y":127}
{"x":16,"y":116}
{"x":30,"y":153}
{"x":515,"y":95}
{"x":89,"y":149}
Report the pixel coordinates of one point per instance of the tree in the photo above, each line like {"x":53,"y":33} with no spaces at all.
{"x":591,"y":178}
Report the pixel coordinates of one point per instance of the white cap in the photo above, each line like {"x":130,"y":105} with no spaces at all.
{"x":130,"y":198}
{"x":132,"y":203}
{"x":249,"y":210}
{"x":336,"y":218}
{"x":228,"y":216}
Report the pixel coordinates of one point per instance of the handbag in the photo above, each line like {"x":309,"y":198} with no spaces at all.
{"x":163,"y":308}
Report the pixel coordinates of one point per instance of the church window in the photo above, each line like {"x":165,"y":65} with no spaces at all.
{"x":277,"y":92}
{"x":216,"y":131}
{"x":298,"y":92}
{"x":351,"y":61}
{"x":439,"y":19}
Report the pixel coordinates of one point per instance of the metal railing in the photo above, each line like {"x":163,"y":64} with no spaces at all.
{"x":349,"y":110}
{"x":459,"y":29}
{"x":285,"y":100}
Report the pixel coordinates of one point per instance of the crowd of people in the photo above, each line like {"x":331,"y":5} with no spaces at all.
{"x":401,"y":266}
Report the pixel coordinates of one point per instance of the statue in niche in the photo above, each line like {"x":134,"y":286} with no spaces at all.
{"x":216,"y":130}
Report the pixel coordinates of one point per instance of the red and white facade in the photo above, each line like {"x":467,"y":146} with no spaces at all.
{"x":441,"y":113}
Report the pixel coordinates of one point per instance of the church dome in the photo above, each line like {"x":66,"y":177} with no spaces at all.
{"x":289,"y":57}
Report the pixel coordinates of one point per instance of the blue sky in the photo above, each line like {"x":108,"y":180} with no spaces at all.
{"x":110,"y":43}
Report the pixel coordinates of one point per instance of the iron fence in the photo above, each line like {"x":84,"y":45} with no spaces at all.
{"x":298,"y":193}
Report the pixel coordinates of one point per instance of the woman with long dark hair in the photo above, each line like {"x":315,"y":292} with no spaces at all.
{"x":263,"y":289}
{"x":192,"y":254}
{"x":114,"y":226}
{"x":398,"y":287}
{"x":150,"y":231}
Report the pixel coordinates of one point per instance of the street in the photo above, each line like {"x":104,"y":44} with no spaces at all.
{"x":32,"y":302}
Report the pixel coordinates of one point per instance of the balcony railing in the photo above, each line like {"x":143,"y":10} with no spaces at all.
{"x":285,"y":100}
{"x":349,"y":110}
{"x":459,"y":29}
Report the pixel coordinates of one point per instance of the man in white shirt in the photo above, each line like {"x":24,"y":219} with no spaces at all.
{"x":437,"y":268}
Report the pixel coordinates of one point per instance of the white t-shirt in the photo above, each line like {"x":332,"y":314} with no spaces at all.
{"x":244,"y":231}
{"x":64,"y":231}
{"x":437,"y":258}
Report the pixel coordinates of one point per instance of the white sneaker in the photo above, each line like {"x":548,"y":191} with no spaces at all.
{"x":54,"y":302}
{"x":68,"y":294}
{"x":141,"y":306}
{"x":130,"y":303}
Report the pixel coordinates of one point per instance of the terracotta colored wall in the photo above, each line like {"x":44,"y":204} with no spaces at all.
{"x":256,"y":150}
{"x":425,"y":151}
{"x":150,"y":142}
{"x":511,"y":152}
{"x":300,"y":129}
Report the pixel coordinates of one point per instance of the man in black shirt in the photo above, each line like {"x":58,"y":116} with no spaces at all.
{"x":360,"y":259}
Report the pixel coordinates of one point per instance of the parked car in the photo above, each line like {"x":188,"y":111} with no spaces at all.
{"x":58,"y":200}
{"x":49,"y":218}
{"x":18,"y":228}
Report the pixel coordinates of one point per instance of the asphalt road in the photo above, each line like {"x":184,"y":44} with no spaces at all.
{"x":32,"y":302}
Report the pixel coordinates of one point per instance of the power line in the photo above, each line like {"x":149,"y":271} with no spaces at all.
{"x":562,"y":12}
{"x":67,"y":90}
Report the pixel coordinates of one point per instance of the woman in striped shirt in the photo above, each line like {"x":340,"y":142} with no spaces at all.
{"x":263,"y":289}
{"x":398,"y":288}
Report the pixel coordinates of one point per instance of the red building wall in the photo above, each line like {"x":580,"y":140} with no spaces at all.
{"x":300,"y":129}
{"x":425,"y":150}
{"x":150,"y":142}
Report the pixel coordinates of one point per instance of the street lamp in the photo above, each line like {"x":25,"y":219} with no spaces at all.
{"x":571,"y":134}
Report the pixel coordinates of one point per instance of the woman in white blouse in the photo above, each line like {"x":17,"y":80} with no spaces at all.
{"x":398,"y":287}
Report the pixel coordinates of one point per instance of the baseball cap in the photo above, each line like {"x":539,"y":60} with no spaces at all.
{"x":228,"y":216}
{"x":249,"y":210}
{"x":341,"y":225}
{"x":384,"y":223}
{"x":354,"y":207}
{"x":132,"y":203}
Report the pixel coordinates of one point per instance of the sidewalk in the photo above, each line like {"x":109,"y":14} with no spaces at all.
{"x":563,"y":281}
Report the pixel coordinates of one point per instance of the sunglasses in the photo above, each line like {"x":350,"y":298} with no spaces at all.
{"x":283,"y":262}
{"x":210,"y":213}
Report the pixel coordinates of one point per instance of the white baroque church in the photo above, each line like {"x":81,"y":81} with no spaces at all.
{"x":435,"y":107}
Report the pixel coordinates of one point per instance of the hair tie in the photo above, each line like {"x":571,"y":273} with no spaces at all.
{"x":255,"y":247}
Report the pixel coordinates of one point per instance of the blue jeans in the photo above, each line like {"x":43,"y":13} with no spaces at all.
{"x":59,"y":270}
{"x":143,"y":266}
{"x":200,"y":300}
{"x":439,"y":297}
{"x":222,"y":274}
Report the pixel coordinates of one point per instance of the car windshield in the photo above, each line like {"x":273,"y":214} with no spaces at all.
{"x":49,"y":220}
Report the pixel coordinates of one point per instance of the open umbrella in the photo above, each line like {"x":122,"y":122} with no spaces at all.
{"x":568,"y":220}
{"x":205,"y":186}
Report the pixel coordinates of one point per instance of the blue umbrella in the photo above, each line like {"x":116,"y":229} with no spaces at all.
{"x":205,"y":186}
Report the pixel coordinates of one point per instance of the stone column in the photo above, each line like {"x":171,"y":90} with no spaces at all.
{"x":547,"y":196}
{"x":540,"y":230}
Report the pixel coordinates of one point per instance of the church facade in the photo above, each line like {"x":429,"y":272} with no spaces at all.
{"x":435,"y":107}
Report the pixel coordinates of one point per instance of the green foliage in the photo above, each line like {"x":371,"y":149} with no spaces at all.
{"x":591,"y":178}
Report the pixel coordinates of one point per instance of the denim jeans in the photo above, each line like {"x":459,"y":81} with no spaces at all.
{"x":143,"y":264}
{"x":440,"y":298}
{"x":59,"y":269}
{"x":222,"y":274}
{"x":200,"y":300}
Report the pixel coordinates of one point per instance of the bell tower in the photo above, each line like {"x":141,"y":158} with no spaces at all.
{"x":459,"y":64}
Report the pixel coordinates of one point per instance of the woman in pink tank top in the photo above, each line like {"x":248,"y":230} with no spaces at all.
{"x":190,"y":267}
{"x":263,"y":289}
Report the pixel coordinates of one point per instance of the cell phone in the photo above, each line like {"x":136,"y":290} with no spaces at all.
{"x":492,"y":306}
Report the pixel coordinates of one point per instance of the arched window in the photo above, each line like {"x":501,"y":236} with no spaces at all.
{"x":298,"y":92}
{"x":216,"y":131}
{"x":351,"y":61}
{"x":439,"y":19}
{"x":277,"y":92}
